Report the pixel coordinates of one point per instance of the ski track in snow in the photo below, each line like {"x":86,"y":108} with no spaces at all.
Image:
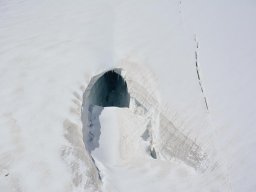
{"x":50,"y":50}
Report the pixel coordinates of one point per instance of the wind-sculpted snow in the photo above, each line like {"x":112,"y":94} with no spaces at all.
{"x":163,"y":141}
{"x":191,"y":116}
{"x":78,"y":158}
{"x":169,"y":141}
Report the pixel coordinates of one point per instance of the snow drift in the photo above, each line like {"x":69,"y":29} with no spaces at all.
{"x":175,"y":57}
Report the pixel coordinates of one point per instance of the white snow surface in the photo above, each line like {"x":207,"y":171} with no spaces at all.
{"x":49,"y":51}
{"x":126,"y":166}
{"x":108,"y":150}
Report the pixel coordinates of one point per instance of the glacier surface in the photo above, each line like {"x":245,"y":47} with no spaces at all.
{"x":190,"y":73}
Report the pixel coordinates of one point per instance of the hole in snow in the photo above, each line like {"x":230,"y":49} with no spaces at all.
{"x":109,"y":90}
{"x":104,"y":90}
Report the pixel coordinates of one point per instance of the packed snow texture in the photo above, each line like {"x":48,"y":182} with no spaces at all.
{"x":190,"y":73}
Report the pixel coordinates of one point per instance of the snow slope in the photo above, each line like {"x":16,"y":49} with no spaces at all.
{"x":226,"y":58}
{"x":49,"y":51}
{"x":125,"y":163}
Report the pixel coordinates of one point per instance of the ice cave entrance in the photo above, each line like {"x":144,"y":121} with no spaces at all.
{"x":110,"y":89}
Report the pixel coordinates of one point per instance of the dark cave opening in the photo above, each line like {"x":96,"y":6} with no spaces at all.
{"x":110,"y":89}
